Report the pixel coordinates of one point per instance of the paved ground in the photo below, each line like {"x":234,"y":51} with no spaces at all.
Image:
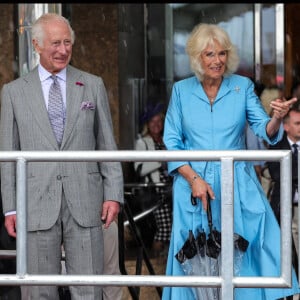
{"x":146,"y":293}
{"x":158,"y":263}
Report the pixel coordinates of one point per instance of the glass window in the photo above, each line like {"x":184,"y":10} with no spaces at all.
{"x":236,"y":19}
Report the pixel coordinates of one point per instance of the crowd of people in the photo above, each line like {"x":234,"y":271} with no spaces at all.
{"x":73,"y":206}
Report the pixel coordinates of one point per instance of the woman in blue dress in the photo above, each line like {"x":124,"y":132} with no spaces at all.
{"x":209,"y":111}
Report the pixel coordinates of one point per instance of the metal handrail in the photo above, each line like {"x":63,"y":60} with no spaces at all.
{"x":226,"y":280}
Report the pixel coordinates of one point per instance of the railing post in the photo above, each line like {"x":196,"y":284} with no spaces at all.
{"x":21,"y":195}
{"x":286,"y":216}
{"x":227,"y":227}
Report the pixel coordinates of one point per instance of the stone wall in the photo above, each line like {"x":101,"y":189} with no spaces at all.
{"x":96,"y":47}
{"x":8,"y":65}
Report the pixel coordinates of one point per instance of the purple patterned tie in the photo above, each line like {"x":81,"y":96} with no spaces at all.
{"x":56,"y":110}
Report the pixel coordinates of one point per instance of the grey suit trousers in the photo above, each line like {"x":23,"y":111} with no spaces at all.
{"x":111,"y":261}
{"x":83,"y":255}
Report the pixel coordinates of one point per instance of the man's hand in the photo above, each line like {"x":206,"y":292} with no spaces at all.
{"x":110,"y":210}
{"x":11,"y":225}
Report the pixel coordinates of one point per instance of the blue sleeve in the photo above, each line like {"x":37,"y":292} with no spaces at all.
{"x":258,"y":118}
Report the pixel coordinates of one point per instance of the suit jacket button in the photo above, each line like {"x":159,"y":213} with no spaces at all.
{"x":58,"y":177}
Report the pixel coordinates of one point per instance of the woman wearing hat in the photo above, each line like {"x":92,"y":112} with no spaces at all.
{"x":152,"y":121}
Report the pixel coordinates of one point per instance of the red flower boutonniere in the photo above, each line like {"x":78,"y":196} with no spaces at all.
{"x":79,"y":83}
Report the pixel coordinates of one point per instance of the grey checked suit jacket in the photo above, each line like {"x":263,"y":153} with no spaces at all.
{"x":25,"y":126}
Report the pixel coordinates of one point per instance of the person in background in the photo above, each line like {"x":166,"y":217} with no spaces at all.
{"x":271,"y":92}
{"x":291,"y":124}
{"x":151,"y":139}
{"x":290,"y":141}
{"x":57,"y":107}
{"x":209,"y":111}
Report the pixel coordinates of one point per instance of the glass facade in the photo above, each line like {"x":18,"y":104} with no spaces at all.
{"x":246,"y":32}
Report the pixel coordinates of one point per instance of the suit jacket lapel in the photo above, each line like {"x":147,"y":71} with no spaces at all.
{"x":74,"y":91}
{"x":34,"y":96}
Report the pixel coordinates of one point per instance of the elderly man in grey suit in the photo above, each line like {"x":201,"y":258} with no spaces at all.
{"x":67,"y":201}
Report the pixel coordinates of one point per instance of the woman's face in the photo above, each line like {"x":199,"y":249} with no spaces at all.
{"x":155,"y":125}
{"x":213,"y":61}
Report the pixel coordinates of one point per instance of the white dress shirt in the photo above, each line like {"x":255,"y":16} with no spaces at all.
{"x":46,"y":82}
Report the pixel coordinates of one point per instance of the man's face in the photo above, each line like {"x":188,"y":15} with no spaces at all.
{"x":56,"y":51}
{"x":292,"y":126}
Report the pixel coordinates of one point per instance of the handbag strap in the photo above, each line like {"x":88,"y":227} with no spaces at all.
{"x":146,"y":145}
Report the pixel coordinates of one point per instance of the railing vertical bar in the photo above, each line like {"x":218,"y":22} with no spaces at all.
{"x":21,"y":196}
{"x":286,"y":216}
{"x":227,"y":227}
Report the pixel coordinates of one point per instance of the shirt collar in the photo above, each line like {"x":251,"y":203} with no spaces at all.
{"x":44,"y":74}
{"x":291,"y":142}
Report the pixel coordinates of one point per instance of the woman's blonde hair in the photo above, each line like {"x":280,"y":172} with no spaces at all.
{"x":204,"y":35}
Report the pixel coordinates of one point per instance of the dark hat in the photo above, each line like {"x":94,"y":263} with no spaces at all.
{"x":150,"y":111}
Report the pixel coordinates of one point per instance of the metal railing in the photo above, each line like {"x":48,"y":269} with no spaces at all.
{"x":227,"y":281}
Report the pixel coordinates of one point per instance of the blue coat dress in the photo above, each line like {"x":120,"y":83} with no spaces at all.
{"x":193,"y":124}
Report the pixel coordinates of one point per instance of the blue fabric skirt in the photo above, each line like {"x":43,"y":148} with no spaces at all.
{"x":253,"y":219}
